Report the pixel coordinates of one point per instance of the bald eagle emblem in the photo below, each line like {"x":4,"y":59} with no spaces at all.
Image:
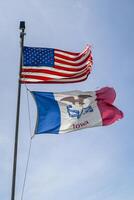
{"x":78,"y":105}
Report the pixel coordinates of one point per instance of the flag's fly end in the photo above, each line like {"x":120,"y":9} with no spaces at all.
{"x":109,"y":113}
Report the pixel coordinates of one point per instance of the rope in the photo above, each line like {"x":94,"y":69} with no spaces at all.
{"x":30,"y":126}
{"x":29,"y":150}
{"x":26,"y":170}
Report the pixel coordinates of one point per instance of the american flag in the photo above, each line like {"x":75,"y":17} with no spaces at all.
{"x":47,"y":65}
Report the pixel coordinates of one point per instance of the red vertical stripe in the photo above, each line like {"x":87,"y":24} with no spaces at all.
{"x":109,"y":113}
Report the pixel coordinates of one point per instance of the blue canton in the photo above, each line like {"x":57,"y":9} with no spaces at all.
{"x":33,"y":56}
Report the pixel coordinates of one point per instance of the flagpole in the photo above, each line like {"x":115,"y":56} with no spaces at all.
{"x":22,"y":34}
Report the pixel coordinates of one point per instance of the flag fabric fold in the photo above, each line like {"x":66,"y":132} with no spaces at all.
{"x":70,"y":111}
{"x":47,"y":65}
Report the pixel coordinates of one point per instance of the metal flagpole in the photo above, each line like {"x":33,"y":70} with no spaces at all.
{"x":22,"y":34}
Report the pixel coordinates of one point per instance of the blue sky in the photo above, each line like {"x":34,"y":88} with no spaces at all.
{"x":91,"y":164}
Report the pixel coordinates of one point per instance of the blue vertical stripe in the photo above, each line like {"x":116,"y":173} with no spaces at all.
{"x":49,"y":117}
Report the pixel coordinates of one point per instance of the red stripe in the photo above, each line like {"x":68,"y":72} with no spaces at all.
{"x":54,"y":82}
{"x":82,"y":74}
{"x":47,"y":78}
{"x":68,"y":58}
{"x":72,"y":59}
{"x":36,"y":77}
{"x":71,"y":64}
{"x":39,"y":70}
{"x":109,"y":113}
{"x":70,"y":69}
{"x":45,"y":71}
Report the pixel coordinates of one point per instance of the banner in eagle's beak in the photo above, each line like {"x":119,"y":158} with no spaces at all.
{"x":70,"y":111}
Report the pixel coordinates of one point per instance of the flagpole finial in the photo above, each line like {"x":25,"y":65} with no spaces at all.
{"x":22,"y":28}
{"x":22,"y":25}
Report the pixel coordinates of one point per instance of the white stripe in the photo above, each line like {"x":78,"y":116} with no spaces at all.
{"x":75,"y":67}
{"x":31,"y":80}
{"x":50,"y":75}
{"x":73,"y":79}
{"x":51,"y":81}
{"x":55,"y":70}
{"x":42,"y":75}
{"x":66,"y":54}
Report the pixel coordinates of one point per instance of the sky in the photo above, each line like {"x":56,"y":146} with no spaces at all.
{"x":91,"y":164}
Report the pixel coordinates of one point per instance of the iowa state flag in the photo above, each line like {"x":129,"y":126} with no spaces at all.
{"x":74,"y":110}
{"x":48,"y":65}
